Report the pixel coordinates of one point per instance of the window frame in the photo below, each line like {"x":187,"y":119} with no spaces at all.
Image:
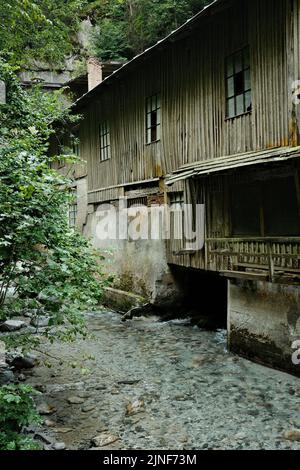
{"x":244,"y":52}
{"x":104,"y":141}
{"x":153,"y":105}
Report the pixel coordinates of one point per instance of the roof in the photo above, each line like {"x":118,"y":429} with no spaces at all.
{"x":172,"y":37}
{"x":217,"y":165}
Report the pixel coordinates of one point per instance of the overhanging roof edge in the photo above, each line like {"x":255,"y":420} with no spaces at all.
{"x":230,"y":163}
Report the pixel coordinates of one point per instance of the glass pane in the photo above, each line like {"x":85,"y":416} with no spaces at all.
{"x":148,"y":120}
{"x":148,"y":105}
{"x":149,"y":135}
{"x":229,"y":66}
{"x":248,"y":101}
{"x":240,"y":104}
{"x":238,"y":62}
{"x":230,"y":87}
{"x":153,"y":134}
{"x":247,"y":78}
{"x":158,"y":116}
{"x":153,"y":119}
{"x":231,"y":108}
{"x":239,"y":84}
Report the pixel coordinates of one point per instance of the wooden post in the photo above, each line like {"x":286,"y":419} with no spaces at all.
{"x":271,"y":262}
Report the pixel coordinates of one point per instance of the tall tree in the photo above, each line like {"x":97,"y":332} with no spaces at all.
{"x":43,"y":30}
{"x":124,"y":28}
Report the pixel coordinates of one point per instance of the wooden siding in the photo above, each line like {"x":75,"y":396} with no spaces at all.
{"x":189,"y":74}
{"x":222,"y":251}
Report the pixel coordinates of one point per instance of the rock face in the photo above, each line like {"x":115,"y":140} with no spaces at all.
{"x":12,"y":325}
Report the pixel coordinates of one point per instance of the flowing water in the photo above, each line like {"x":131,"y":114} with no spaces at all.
{"x":184,"y":390}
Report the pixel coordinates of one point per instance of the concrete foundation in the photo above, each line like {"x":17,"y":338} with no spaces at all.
{"x":121,"y":301}
{"x":82,"y":202}
{"x":264,"y":322}
{"x":138,"y":266}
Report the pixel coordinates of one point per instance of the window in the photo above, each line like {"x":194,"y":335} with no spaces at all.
{"x":105,"y":149}
{"x":267,"y":208}
{"x":238,"y":83}
{"x":73,"y":209}
{"x":153,"y":121}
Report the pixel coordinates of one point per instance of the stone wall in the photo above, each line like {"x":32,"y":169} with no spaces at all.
{"x":264,"y":322}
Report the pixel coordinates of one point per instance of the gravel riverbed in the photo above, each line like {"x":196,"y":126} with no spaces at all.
{"x":146,"y":384}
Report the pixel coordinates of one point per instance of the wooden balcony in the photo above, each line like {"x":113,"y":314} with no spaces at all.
{"x":271,"y":259}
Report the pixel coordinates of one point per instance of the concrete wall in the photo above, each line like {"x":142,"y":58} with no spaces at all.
{"x":82,"y":203}
{"x":264,"y":322}
{"x":138,"y":266}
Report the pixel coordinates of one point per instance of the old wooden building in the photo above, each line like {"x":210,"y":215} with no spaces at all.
{"x":209,"y":116}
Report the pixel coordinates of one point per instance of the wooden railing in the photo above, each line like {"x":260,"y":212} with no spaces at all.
{"x":274,"y":255}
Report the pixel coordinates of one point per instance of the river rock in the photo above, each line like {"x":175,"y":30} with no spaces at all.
{"x":75,"y":400}
{"x":135,"y":407}
{"x":45,"y":409}
{"x":63,"y":430}
{"x":24,"y":362}
{"x":12,"y":325}
{"x":293,"y":436}
{"x":88,"y":408}
{"x":40,"y":321}
{"x":104,"y":439}
{"x":59,"y":446}
{"x":6,"y":377}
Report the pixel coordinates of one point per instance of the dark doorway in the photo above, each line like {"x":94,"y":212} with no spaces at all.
{"x":205,"y":297}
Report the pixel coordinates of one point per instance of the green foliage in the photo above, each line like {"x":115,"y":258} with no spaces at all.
{"x":52,"y":268}
{"x":16,"y":411}
{"x":125,"y":28}
{"x":42,"y":30}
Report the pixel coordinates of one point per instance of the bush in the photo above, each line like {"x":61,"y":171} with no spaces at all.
{"x":16,"y":411}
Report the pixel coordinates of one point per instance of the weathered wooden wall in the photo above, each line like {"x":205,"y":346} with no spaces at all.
{"x":189,"y":74}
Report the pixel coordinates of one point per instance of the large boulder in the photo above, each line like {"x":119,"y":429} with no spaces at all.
{"x":12,"y":325}
{"x":6,"y":376}
{"x":40,"y":321}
